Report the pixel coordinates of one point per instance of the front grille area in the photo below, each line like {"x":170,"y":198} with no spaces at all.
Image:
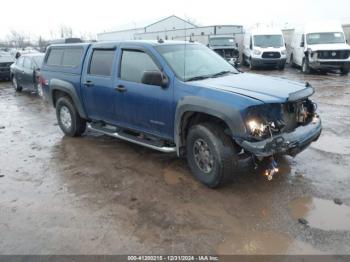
{"x":227,"y":53}
{"x":271,"y":55}
{"x":5,"y":65}
{"x":331,"y":54}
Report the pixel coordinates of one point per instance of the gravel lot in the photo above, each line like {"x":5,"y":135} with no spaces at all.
{"x":99,"y":195}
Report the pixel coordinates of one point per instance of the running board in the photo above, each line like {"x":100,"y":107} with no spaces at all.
{"x":128,"y":138}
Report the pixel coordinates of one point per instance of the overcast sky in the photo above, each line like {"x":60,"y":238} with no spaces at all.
{"x":41,"y":17}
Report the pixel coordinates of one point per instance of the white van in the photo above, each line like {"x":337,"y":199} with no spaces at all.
{"x":320,"y":47}
{"x":264,"y":47}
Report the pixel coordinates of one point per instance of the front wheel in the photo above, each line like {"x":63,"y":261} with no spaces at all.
{"x":345,"y":71}
{"x":281,"y":67}
{"x":251,"y":67}
{"x":68,"y":117}
{"x":210,"y":154}
{"x":305,"y":66}
{"x":39,"y":90}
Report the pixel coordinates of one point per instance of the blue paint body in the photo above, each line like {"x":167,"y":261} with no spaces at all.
{"x":152,"y":109}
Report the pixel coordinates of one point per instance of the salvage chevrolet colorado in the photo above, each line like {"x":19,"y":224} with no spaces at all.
{"x":179,"y":97}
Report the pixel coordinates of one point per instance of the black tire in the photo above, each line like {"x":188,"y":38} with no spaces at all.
{"x":345,"y":71}
{"x":17,"y":87}
{"x":220,"y":147}
{"x":291,"y":60}
{"x":244,"y":62}
{"x":77,"y":124}
{"x":281,"y":67}
{"x":251,"y":67}
{"x":305,"y":68}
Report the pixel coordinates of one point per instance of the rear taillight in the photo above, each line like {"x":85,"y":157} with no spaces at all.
{"x":43,"y":82}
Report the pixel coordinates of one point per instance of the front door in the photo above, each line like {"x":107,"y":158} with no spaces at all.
{"x":145,"y":108}
{"x":98,"y":85}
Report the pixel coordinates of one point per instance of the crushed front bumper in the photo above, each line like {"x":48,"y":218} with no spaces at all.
{"x":287,"y":143}
{"x":329,"y":64}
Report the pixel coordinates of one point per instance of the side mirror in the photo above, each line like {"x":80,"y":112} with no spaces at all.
{"x":236,"y":45}
{"x":155,"y":78}
{"x":302,"y":44}
{"x":251,"y":47}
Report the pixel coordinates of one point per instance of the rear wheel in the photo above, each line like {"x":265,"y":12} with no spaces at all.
{"x":210,"y":154}
{"x":68,"y":117}
{"x":15,"y":85}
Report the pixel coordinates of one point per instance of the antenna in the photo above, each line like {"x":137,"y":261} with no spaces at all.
{"x":185,"y":46}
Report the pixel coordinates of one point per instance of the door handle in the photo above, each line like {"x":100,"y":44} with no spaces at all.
{"x":120,"y":88}
{"x":88,"y":83}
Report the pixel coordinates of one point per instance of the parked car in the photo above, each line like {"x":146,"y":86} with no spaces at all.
{"x":6,"y":61}
{"x":226,"y":47}
{"x":320,"y":47}
{"x":25,"y":72}
{"x":179,"y":97}
{"x":264,"y":47}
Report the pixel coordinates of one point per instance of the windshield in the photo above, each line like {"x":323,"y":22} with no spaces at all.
{"x":224,"y":41}
{"x":194,"y":61}
{"x":325,"y":38}
{"x":38,"y":60}
{"x":268,"y":40}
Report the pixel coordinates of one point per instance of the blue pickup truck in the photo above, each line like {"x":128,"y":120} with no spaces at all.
{"x":179,"y":97}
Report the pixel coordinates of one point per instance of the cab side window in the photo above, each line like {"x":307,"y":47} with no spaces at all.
{"x":134,"y":63}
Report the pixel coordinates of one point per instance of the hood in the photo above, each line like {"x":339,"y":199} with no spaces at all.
{"x":215,"y":47}
{"x":263,"y":88}
{"x":6,"y":59}
{"x":321,"y":47}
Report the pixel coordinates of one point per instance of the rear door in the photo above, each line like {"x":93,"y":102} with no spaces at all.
{"x":27,"y":73}
{"x":98,"y":84}
{"x":299,"y":49}
{"x":18,"y":70}
{"x":145,"y":108}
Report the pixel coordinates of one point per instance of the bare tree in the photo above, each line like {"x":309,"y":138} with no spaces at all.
{"x":66,"y":31}
{"x":16,"y":39}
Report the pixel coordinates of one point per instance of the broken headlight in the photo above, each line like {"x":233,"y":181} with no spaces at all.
{"x":256,"y":128}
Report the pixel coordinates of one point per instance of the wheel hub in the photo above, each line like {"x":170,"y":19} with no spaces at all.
{"x":65,"y":116}
{"x":203,"y":156}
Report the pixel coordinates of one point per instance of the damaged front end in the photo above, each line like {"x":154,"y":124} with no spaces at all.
{"x":281,"y":128}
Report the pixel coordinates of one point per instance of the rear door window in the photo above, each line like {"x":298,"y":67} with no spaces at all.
{"x":55,"y":57}
{"x":19,"y":61}
{"x":72,"y":57}
{"x":134,"y":64}
{"x":102,"y":62}
{"x":27,"y":63}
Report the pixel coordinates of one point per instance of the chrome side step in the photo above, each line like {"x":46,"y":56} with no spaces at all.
{"x":115,"y":134}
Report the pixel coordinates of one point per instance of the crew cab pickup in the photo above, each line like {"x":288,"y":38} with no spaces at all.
{"x":178,"y":97}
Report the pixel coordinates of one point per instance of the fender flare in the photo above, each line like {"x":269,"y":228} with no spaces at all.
{"x":228,"y":114}
{"x":66,"y":87}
